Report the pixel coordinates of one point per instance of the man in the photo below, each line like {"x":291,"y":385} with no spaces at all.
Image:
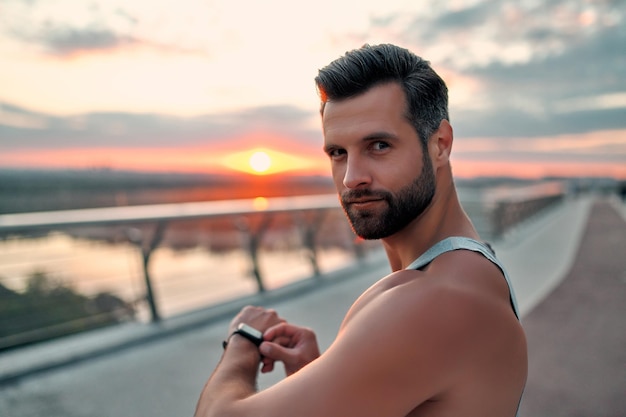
{"x":440,"y":335}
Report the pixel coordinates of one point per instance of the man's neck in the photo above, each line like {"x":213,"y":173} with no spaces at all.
{"x":443,"y":218}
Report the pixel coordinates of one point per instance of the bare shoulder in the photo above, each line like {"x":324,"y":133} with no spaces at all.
{"x":461,"y":282}
{"x":460,"y":290}
{"x":461,"y":293}
{"x":449,"y":330}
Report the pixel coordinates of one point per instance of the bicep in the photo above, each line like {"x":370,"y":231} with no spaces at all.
{"x":345,"y":380}
{"x":385,"y":362}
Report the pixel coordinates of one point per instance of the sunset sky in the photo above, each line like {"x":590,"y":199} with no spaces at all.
{"x":537,"y":88}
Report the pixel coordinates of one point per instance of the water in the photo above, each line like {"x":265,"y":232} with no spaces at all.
{"x":182,"y":280}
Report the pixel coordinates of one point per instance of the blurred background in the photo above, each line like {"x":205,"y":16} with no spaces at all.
{"x":168,"y":104}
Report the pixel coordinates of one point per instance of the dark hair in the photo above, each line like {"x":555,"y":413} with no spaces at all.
{"x":361,"y":69}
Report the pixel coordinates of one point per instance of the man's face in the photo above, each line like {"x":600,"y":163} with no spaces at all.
{"x":384,"y":178}
{"x":400,"y":208}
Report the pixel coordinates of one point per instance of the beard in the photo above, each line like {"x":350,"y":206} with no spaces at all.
{"x":402,"y":207}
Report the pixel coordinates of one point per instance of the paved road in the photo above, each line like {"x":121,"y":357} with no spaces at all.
{"x":164,"y":377}
{"x":577,"y":335}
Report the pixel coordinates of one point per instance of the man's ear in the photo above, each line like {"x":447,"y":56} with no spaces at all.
{"x":441,"y":143}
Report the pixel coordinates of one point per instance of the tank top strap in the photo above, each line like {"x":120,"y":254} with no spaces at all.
{"x":464,"y":243}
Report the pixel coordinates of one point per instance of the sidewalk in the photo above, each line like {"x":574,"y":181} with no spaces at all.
{"x":164,"y":377}
{"x":577,"y":335}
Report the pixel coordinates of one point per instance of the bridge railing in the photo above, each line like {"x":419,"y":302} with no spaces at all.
{"x":146,"y":226}
{"x":508,"y":207}
{"x":315,"y":218}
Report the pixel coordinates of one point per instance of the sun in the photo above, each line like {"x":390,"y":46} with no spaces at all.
{"x":260,"y":162}
{"x":264,"y":161}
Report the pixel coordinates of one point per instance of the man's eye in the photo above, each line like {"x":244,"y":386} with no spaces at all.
{"x":335,"y":153}
{"x":379,"y":146}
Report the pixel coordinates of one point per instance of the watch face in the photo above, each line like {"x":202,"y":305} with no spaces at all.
{"x":250,"y":330}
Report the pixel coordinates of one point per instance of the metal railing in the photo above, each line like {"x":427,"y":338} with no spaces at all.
{"x":161,"y":215}
{"x":508,"y":207}
{"x":144,"y":227}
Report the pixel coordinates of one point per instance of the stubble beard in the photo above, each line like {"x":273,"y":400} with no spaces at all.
{"x":402,"y":207}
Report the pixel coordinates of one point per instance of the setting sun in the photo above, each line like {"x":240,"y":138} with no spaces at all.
{"x":260,"y":161}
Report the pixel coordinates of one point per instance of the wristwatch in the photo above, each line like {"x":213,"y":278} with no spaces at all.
{"x":249,"y":332}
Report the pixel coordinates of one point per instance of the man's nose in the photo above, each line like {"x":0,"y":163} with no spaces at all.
{"x":357,"y":174}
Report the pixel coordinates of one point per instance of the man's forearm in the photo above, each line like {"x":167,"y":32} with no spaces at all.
{"x":233,"y":379}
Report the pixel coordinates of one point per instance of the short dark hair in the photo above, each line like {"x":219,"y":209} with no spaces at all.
{"x":361,"y":69}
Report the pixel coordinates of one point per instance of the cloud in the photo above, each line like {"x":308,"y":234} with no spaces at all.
{"x":579,"y":90}
{"x":97,"y":30}
{"x":476,"y":14}
{"x":518,"y":71}
{"x":63,"y":29}
{"x":15,"y":118}
{"x":69,"y":41}
{"x":536,"y":68}
{"x":508,"y":32}
{"x":595,"y":102}
{"x":28,"y":129}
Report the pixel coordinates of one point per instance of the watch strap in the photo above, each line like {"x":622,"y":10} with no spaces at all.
{"x":248,"y":332}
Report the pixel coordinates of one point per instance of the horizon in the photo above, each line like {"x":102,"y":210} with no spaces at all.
{"x":244,"y":176}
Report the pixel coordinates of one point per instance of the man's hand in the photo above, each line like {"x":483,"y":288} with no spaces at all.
{"x":293,"y":345}
{"x":257,"y":317}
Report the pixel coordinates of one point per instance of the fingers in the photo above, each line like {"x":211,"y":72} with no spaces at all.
{"x":282,"y":331}
{"x":295,"y":346}
{"x":293,"y":359}
{"x":258,"y":317}
{"x":273,"y":353}
{"x":268,"y":365}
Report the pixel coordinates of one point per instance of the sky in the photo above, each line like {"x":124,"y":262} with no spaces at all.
{"x":537,"y":88}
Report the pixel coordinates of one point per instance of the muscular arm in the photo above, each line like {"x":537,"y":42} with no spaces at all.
{"x":372,"y":369}
{"x":401,"y":345}
{"x":234,"y":379}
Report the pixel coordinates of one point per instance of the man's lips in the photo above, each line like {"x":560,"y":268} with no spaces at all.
{"x":363,"y":201}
